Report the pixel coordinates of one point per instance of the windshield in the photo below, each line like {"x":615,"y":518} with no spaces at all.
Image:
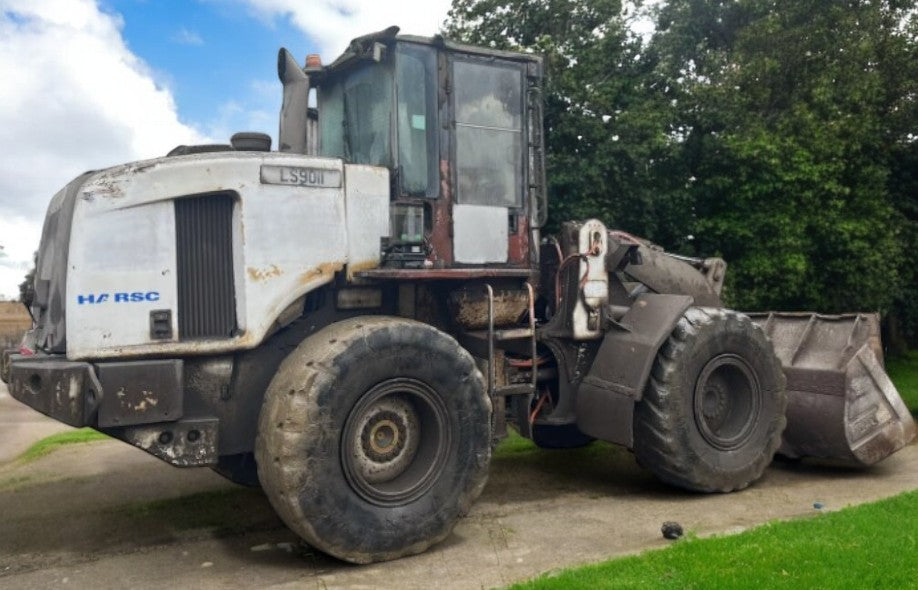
{"x":355,"y":117}
{"x":357,"y":121}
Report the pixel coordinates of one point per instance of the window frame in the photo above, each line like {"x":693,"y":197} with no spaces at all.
{"x":432,"y":135}
{"x":521,"y":165}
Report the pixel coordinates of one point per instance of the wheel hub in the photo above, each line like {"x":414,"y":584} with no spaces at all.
{"x":389,"y":432}
{"x":394,"y":442}
{"x":384,"y":439}
{"x":727,"y":401}
{"x":715,"y":404}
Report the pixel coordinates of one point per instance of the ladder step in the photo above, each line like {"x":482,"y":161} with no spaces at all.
{"x":513,"y":334}
{"x":508,"y":390}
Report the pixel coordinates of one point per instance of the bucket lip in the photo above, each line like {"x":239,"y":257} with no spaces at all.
{"x":819,"y":316}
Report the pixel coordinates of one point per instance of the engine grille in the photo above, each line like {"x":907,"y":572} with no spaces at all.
{"x":204,"y":251}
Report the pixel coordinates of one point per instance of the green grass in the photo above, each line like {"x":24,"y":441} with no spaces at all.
{"x":56,"y":441}
{"x":903,"y":370}
{"x":515,"y":447}
{"x":869,"y":546}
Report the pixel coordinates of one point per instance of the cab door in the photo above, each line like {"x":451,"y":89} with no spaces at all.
{"x":489,"y":155}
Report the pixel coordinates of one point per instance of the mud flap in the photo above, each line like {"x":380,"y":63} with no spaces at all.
{"x":841,"y":403}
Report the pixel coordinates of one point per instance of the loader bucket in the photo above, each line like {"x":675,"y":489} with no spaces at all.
{"x":841,"y":403}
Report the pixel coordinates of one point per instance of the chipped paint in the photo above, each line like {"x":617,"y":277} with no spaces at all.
{"x":323,"y":271}
{"x":171,"y":441}
{"x":518,"y":243}
{"x":263,"y":274}
{"x":441,"y":243}
{"x":148,"y":401}
{"x":266,"y":278}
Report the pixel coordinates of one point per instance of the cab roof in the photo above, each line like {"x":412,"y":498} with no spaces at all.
{"x":364,"y":47}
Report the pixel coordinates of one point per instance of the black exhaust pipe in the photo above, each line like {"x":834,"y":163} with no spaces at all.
{"x":292,"y":136}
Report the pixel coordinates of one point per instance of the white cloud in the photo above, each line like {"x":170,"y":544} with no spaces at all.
{"x":333,"y":23}
{"x":73,"y":97}
{"x":187,"y":37}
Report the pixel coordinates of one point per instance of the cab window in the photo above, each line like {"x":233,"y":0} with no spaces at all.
{"x":489,"y":133}
{"x":417,"y":120}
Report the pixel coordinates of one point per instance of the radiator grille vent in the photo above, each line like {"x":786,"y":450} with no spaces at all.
{"x":204,"y":251}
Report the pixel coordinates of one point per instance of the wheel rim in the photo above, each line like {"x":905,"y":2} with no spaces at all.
{"x":395,"y":442}
{"x":727,"y":401}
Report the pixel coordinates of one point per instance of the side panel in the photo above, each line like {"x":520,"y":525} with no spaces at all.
{"x":122,"y":266}
{"x":290,"y":235}
{"x":367,"y":202}
{"x":480,"y":234}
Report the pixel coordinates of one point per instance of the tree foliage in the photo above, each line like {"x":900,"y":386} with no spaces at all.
{"x":790,"y":127}
{"x":779,"y":134}
{"x":607,"y":143}
{"x":27,"y":286}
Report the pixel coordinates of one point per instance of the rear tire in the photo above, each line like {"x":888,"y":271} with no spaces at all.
{"x":374,"y":438}
{"x":713,"y":411}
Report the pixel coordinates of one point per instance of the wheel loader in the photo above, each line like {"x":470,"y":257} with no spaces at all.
{"x":354,"y":320}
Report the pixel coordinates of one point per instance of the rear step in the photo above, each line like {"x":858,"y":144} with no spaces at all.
{"x":841,"y":404}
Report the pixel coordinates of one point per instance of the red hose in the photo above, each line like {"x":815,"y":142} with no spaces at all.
{"x":538,"y":408}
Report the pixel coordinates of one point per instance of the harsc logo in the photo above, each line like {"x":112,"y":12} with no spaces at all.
{"x":121,"y":297}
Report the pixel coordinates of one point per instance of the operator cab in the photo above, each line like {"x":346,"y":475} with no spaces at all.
{"x":459,"y":129}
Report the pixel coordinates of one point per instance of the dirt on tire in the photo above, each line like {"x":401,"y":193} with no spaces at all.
{"x":712,"y":415}
{"x":302,"y":448}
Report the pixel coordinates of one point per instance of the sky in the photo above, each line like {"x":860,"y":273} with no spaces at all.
{"x":87,"y":84}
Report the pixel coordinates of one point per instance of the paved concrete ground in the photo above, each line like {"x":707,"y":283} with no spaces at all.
{"x":105,"y":515}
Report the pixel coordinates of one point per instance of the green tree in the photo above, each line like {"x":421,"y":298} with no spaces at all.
{"x":609,"y":153}
{"x":779,"y":134}
{"x":787,"y":106}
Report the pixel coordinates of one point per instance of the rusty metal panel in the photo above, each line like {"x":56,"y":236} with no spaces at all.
{"x":841,"y":403}
{"x":470,"y":307}
{"x":186,"y":443}
{"x":440,"y":238}
{"x":448,"y":274}
{"x":140,"y":392}
{"x":63,"y":390}
{"x":518,"y":248}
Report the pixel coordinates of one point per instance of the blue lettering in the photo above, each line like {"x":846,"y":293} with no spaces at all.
{"x":120,"y":297}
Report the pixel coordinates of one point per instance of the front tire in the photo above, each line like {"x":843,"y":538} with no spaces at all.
{"x":713,"y":411}
{"x":374,"y":438}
